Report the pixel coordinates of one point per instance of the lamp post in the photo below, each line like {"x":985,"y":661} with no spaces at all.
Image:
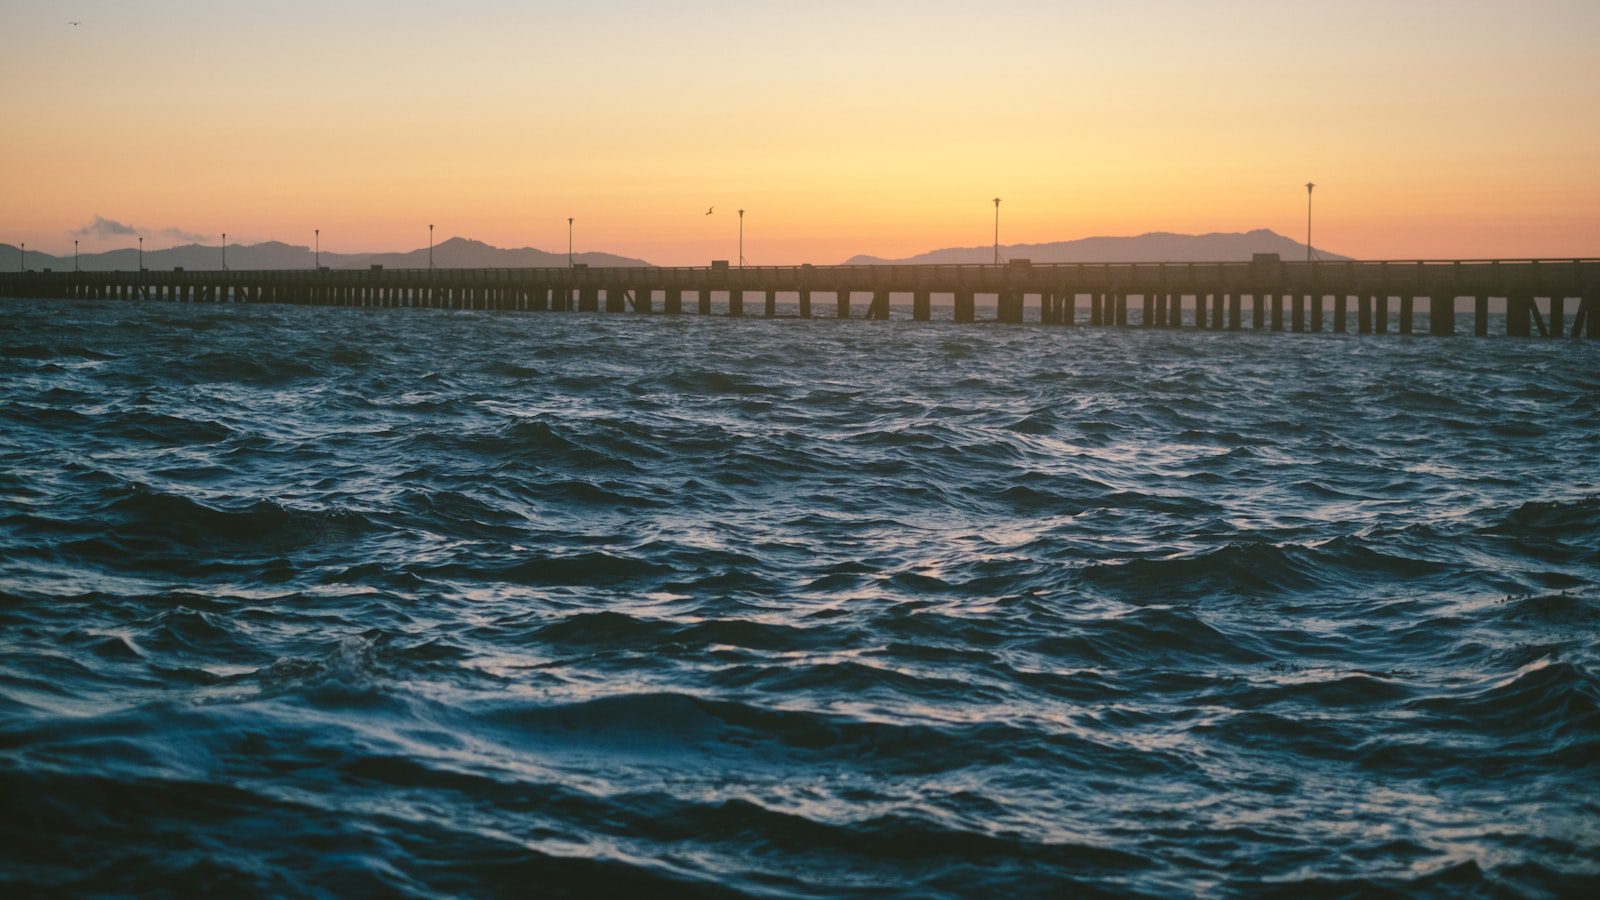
{"x":1309,"y":188}
{"x":741,"y":238}
{"x":22,"y":266}
{"x":997,"y":231}
{"x":75,"y":256}
{"x":224,"y":251}
{"x":318,"y":263}
{"x":141,"y":253}
{"x":569,"y":242}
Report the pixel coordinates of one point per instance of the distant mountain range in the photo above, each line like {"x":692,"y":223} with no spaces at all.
{"x":455,"y":253}
{"x":1157,"y":246}
{"x":462,"y":253}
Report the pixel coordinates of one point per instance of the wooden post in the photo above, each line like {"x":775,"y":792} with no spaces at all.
{"x":1316,"y":312}
{"x":879,"y":310}
{"x":921,"y":305}
{"x":1558,"y":314}
{"x":674,"y":302}
{"x":1480,"y":315}
{"x":1299,"y":317}
{"x":843,"y":299}
{"x":588,"y":299}
{"x":1408,"y":305}
{"x":703,"y":301}
{"x":644,"y":300}
{"x":1149,"y":319}
{"x":1277,"y":311}
{"x":1235,"y":311}
{"x":1067,"y":308}
{"x":805,"y":303}
{"x":1096,"y":307}
{"x":735,"y":302}
{"x":770,"y":302}
{"x":616,"y":300}
{"x":1341,"y":313}
{"x":1364,"y":314}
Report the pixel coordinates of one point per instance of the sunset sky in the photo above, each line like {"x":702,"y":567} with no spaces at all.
{"x":1434,"y":129}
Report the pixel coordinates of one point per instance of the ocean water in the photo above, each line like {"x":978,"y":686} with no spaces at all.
{"x":429,"y":603}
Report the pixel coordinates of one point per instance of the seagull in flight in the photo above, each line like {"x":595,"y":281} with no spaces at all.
{"x":709,"y":209}
{"x":74,"y":23}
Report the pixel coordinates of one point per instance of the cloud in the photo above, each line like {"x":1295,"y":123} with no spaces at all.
{"x":102,"y":227}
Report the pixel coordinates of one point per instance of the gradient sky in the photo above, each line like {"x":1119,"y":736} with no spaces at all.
{"x":1434,"y":129}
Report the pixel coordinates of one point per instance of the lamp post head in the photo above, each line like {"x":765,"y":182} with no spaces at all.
{"x":1309,"y":186}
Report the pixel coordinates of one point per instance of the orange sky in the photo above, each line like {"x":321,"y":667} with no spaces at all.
{"x":1433,"y":129}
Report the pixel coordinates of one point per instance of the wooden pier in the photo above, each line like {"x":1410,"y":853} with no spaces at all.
{"x":1266,"y":294}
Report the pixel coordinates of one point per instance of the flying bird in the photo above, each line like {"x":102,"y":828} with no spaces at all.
{"x":74,"y":23}
{"x":709,"y":209}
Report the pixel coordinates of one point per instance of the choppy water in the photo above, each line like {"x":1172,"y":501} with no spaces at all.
{"x":419,"y":602}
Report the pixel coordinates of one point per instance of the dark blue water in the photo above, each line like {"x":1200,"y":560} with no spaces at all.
{"x":414,"y":602}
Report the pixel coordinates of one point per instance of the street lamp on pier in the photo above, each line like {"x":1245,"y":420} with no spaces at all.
{"x":224,"y":251}
{"x":430,"y":248}
{"x":74,"y":255}
{"x":997,"y":231}
{"x":741,"y":238}
{"x":318,"y":258}
{"x":569,"y":242}
{"x":1309,"y":188}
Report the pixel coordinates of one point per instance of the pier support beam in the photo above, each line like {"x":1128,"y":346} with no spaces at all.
{"x":921,"y":305}
{"x":1558,"y":315}
{"x":1480,"y":315}
{"x":735,"y":303}
{"x":1277,"y":311}
{"x":1408,"y":306}
{"x":1519,"y":319}
{"x":1316,"y":313}
{"x":805,"y":304}
{"x":674,"y":302}
{"x":1149,"y":318}
{"x":769,"y":303}
{"x":588,"y":299}
{"x":1009,"y":307}
{"x":1299,"y":317}
{"x":843,"y":300}
{"x":879,"y":310}
{"x":966,"y":307}
{"x":1442,"y":314}
{"x":1341,"y":314}
{"x":702,"y":301}
{"x":616,"y":300}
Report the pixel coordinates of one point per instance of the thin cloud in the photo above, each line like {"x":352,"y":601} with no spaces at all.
{"x":102,"y":227}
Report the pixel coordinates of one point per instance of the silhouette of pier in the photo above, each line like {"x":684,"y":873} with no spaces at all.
{"x":1265,"y":294}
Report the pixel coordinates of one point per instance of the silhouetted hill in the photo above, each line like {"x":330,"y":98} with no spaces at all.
{"x":455,"y":253}
{"x":1157,"y":246}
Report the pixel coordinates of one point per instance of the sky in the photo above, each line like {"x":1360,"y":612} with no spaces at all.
{"x":1462,"y":129}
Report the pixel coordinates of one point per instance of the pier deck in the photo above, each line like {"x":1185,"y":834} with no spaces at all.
{"x":1266,"y":294}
